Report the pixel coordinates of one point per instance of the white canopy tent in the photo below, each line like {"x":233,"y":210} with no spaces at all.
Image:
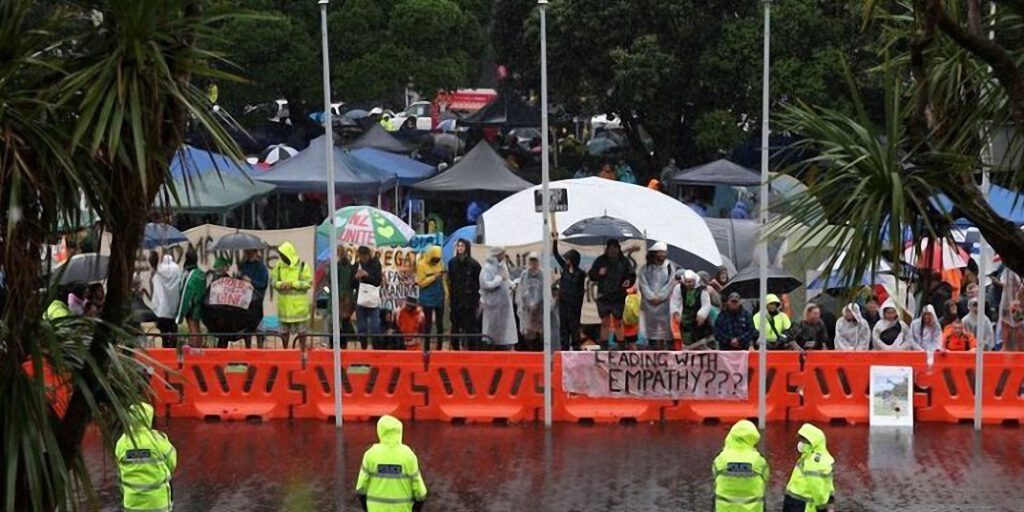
{"x":514,"y":221}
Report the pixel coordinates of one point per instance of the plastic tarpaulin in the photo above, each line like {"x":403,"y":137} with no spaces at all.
{"x":307,"y":172}
{"x":719,"y":172}
{"x":407,"y":170}
{"x":191,"y":161}
{"x":514,"y":221}
{"x":378,"y":138}
{"x":480,"y":171}
{"x":507,"y":110}
{"x":208,"y":182}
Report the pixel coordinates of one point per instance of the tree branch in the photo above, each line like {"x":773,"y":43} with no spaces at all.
{"x":1004,"y":237}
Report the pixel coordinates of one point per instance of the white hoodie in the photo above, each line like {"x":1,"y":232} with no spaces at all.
{"x":902,"y":341}
{"x":166,"y":288}
{"x":926,"y":337}
{"x":855,"y":335}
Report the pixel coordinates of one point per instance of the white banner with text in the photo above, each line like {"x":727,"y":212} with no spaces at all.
{"x":657,"y":374}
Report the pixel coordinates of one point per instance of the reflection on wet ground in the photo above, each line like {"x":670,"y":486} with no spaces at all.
{"x":306,"y":466}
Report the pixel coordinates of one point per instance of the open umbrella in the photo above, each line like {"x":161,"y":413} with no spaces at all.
{"x":597,"y":230}
{"x":747,"y":283}
{"x":936,"y":256}
{"x":835,"y":280}
{"x":238,"y":242}
{"x":277,"y":153}
{"x":356,"y":114}
{"x":83,"y":268}
{"x":369,"y":226}
{"x":161,"y":235}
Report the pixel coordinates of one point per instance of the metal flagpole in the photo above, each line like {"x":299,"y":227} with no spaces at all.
{"x":979,"y":359}
{"x":329,"y":155}
{"x":546,"y":207}
{"x":762,"y":246}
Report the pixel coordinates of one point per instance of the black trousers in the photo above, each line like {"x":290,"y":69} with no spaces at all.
{"x":168,"y":326}
{"x":464,"y":321}
{"x":569,"y":328}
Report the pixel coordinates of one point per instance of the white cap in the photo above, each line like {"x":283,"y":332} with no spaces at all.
{"x":376,"y":110}
{"x":533,"y":256}
{"x":659,"y":247}
{"x":690,"y":275}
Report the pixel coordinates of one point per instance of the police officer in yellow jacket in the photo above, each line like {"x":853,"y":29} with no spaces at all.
{"x":741,"y":473}
{"x":811,"y":488}
{"x":145,"y":462}
{"x":389,"y":478}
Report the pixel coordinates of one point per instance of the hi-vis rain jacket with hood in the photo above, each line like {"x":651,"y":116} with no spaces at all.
{"x":811,"y":487}
{"x":855,"y":335}
{"x":741,"y":473}
{"x":389,"y":478}
{"x":145,"y":462}
{"x":293,"y":305}
{"x":429,"y":273}
{"x":780,"y":321}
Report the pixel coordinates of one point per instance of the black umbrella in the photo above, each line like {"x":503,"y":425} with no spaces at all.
{"x":597,"y":230}
{"x":238,"y":242}
{"x":747,"y":283}
{"x":83,"y":268}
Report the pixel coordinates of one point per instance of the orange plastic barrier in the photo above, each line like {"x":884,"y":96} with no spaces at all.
{"x":580,"y":408}
{"x":238,"y":384}
{"x":782,"y":366}
{"x":951,"y":383}
{"x":167,"y":383}
{"x":836,"y":385}
{"x":482,"y":387}
{"x":374,"y":383}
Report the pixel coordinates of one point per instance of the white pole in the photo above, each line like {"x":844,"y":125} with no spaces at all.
{"x":979,"y":359}
{"x":329,"y":156}
{"x":762,"y":246}
{"x":546,"y":207}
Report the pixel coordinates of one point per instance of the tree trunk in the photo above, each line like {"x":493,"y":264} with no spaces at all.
{"x":1005,"y":238}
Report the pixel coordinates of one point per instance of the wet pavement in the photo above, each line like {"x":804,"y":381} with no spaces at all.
{"x":308,"y":465}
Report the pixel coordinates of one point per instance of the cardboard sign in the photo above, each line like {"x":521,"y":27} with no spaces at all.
{"x":660,"y":375}
{"x":230,"y":292}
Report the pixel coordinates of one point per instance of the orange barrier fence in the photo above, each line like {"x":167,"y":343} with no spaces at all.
{"x":826,"y":387}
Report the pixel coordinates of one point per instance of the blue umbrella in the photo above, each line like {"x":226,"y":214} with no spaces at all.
{"x":160,"y":235}
{"x":448,"y":251}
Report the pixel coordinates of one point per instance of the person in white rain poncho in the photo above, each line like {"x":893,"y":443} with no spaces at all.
{"x":891,"y":333}
{"x":530,"y":303}
{"x":165,"y":297}
{"x":852,"y":330}
{"x":979,"y":325}
{"x":499,"y":322}
{"x":926,"y":332}
{"x":657,"y":282}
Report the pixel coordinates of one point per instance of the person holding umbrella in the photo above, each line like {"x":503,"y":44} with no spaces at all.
{"x":252,"y":270}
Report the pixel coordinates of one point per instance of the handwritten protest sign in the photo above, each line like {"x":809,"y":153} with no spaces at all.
{"x":661,"y":375}
{"x":229,"y":292}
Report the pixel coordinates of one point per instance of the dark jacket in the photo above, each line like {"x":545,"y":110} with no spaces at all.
{"x":811,"y":336}
{"x":609,"y":287}
{"x":738,"y":324}
{"x":464,"y":281}
{"x":572,"y":285}
{"x":257,"y":273}
{"x":375,"y":277}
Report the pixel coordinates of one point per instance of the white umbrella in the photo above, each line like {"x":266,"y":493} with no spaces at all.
{"x":276,"y":153}
{"x":938,"y":256}
{"x":514,"y":221}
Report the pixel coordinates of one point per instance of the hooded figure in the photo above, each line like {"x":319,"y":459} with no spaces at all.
{"x":741,"y":473}
{"x":572,"y":286}
{"x":926,"y":337}
{"x":855,"y":333}
{"x":166,"y":289}
{"x":691,"y":306}
{"x":145,"y":462}
{"x":193,"y":292}
{"x":777,"y":325}
{"x":464,"y":293}
{"x":891,"y":333}
{"x":430,"y":279}
{"x":499,"y":321}
{"x":292,"y":279}
{"x":979,"y":325}
{"x":389,"y":477}
{"x":810,"y":487}
{"x":530,"y":299}
{"x":656,"y":287}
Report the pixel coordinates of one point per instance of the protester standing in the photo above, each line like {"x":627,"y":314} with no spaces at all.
{"x":957,"y":339}
{"x":980,"y":324}
{"x":366,"y":281}
{"x":656,"y":281}
{"x":852,"y":331}
{"x":871,"y":311}
{"x":193,"y":294}
{"x":430,"y":279}
{"x":891,"y":333}
{"x":410,"y":323}
{"x":499,"y":323}
{"x":741,"y":473}
{"x":734,"y":327}
{"x":691,"y":307}
{"x":950,"y":313}
{"x":253,"y":271}
{"x":572,"y":286}
{"x":613,"y":273}
{"x":811,"y":333}
{"x":345,"y":297}
{"x":530,"y":305}
{"x":292,"y":280}
{"x":165,"y":297}
{"x":721,"y":279}
{"x":464,"y":290}
{"x":925,"y":332}
{"x":778,"y":323}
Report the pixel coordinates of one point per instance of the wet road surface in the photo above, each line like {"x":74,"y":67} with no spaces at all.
{"x":308,"y":465}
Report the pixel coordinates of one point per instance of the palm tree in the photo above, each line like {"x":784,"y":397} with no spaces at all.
{"x":94,"y":100}
{"x":947,"y":90}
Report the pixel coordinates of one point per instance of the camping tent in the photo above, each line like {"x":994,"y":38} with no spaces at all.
{"x":211,"y":194}
{"x":378,"y":138}
{"x":191,"y":161}
{"x":513,"y":221}
{"x":307,"y":172}
{"x":407,"y":170}
{"x":737,"y":239}
{"x":480,"y":172}
{"x":719,"y":172}
{"x":506,"y":110}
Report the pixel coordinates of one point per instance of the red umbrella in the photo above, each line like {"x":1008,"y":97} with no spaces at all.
{"x":936,"y":256}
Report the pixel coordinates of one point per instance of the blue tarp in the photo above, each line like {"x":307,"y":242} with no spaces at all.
{"x":448,"y":251}
{"x":407,"y":170}
{"x":193,"y":161}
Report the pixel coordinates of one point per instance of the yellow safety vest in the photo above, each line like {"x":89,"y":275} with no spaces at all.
{"x":145,"y":462}
{"x":390,"y":473}
{"x":741,"y":473}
